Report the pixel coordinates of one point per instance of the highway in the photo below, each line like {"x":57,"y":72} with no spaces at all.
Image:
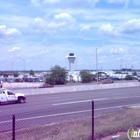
{"x":50,"y":108}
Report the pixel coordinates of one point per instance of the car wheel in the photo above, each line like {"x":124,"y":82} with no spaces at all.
{"x":21,"y":100}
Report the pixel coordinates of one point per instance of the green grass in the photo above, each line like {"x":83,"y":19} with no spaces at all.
{"x":80,"y":129}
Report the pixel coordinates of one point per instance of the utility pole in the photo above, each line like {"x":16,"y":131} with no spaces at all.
{"x":24,"y":67}
{"x":97,"y":63}
{"x":121,"y":63}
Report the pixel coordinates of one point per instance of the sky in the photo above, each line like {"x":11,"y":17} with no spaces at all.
{"x":39,"y":34}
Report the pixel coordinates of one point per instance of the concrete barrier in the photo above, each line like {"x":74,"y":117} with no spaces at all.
{"x":74,"y":88}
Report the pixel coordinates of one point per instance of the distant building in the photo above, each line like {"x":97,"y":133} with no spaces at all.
{"x":71,"y":57}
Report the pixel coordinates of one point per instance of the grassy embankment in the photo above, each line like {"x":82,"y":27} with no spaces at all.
{"x":105,"y":126}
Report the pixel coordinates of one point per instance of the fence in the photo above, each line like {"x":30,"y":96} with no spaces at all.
{"x":41,"y":125}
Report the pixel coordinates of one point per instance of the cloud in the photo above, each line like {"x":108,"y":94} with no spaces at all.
{"x":59,"y":22}
{"x":125,"y":2}
{"x":8,"y":32}
{"x":85,"y":29}
{"x":51,"y":1}
{"x":131,"y":27}
{"x":116,"y":50}
{"x":35,"y":2}
{"x":44,"y":52}
{"x":107,"y":30}
{"x":137,"y":2}
{"x":63,"y":3}
{"x":38,"y":25}
{"x":64,"y":17}
{"x":40,"y":2}
{"x":118,"y":1}
{"x":15,"y":49}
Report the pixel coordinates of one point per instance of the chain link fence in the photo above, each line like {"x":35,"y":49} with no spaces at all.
{"x":47,"y":125}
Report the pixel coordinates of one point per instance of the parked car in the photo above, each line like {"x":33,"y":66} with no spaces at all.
{"x":45,"y":85}
{"x":106,"y":81}
{"x":10,"y":80}
{"x":18,"y":80}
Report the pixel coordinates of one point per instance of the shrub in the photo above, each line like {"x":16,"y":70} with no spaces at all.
{"x":86,"y":77}
{"x":57,"y":76}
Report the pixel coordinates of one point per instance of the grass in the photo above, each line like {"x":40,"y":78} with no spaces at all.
{"x":80,"y":129}
{"x":117,"y":123}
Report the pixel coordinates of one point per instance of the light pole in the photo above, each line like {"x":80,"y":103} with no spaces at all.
{"x":121,"y":64}
{"x":24,"y":67}
{"x":76,"y":65}
{"x":97,"y":62}
{"x":12,"y":67}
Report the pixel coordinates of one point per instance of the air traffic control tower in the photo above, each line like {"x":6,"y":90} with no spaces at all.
{"x":71,"y":58}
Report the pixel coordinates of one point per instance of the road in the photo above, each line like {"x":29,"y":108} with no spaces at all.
{"x":50,"y":108}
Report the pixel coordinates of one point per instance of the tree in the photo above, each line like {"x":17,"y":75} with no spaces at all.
{"x":57,"y":76}
{"x":32,"y":73}
{"x":86,"y":76}
{"x":134,"y":73}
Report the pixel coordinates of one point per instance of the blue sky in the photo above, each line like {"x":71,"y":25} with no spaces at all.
{"x":39,"y":34}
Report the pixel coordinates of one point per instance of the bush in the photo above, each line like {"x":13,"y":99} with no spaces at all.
{"x":86,"y":77}
{"x":57,"y":76}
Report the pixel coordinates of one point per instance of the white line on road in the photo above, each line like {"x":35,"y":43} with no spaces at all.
{"x":69,"y":113}
{"x":52,"y":115}
{"x":99,"y":99}
{"x":82,"y":101}
{"x":74,"y":102}
{"x":52,"y":98}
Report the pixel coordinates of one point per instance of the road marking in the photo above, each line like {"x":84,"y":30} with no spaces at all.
{"x":69,"y":113}
{"x":52,"y":115}
{"x":99,"y":99}
{"x":52,"y":98}
{"x":74,"y":102}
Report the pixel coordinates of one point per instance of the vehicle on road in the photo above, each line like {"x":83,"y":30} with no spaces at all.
{"x":106,"y":81}
{"x":10,"y":96}
{"x":45,"y":85}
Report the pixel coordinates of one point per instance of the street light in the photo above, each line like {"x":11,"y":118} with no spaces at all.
{"x":97,"y":62}
{"x":12,"y":67}
{"x":24,"y":67}
{"x":121,"y":63}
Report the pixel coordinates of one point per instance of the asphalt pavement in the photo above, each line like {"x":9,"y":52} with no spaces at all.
{"x":52,"y":108}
